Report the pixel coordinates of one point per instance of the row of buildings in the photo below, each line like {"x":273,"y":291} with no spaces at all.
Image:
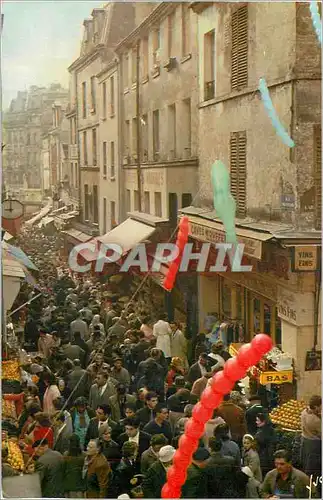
{"x":161,"y":91}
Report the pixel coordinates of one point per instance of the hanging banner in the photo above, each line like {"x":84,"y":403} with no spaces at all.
{"x":284,"y":377}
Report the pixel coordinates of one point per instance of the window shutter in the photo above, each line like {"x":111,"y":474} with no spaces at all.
{"x":239,"y":49}
{"x":238,"y":171}
{"x":318,"y":176}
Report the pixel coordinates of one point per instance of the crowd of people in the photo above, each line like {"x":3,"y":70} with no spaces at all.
{"x":109,"y":386}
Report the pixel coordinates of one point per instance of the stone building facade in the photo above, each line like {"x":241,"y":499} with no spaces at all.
{"x":29,"y":117}
{"x":168,"y":98}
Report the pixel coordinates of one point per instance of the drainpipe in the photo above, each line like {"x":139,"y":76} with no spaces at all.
{"x":120,"y":115}
{"x":317,"y":294}
{"x":78,"y":150}
{"x":138,"y":126}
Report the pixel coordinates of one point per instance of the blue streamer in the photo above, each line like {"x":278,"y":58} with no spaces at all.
{"x":224,"y":203}
{"x":316,"y":20}
{"x":273,"y":115}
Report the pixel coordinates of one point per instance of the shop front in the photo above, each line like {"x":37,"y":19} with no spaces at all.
{"x":278,"y":297}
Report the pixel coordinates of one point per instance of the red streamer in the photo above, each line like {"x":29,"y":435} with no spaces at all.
{"x":182,"y":238}
{"x":212,"y":396}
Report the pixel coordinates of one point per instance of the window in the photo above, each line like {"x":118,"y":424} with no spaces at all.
{"x":156,"y":47}
{"x":238,"y":170}
{"x":126,"y":71}
{"x":71,"y":131}
{"x":72,"y":173}
{"x":134,"y":139}
{"x":128,"y":200}
{"x":75,"y":132}
{"x":127,"y":138}
{"x":144,"y":137}
{"x":186,"y":200}
{"x":145,"y":55}
{"x":171,"y":32}
{"x":172,"y":131}
{"x":85,"y":160}
{"x":94,"y":147}
{"x":93,"y":96}
{"x":84,"y":99}
{"x":156,"y":135}
{"x":104,"y":157}
{"x":112,"y":96}
{"x":185,"y":29}
{"x":86,"y":202}
{"x":158,"y":204}
{"x":209,"y":65}
{"x":318,"y":176}
{"x":104,"y":215}
{"x":136,"y":200}
{"x":147,"y":202}
{"x":95,"y":205}
{"x":134,"y":65}
{"x":113,"y":214}
{"x":172,"y":209}
{"x":186,"y":126}
{"x":104,"y":99}
{"x":28,"y":138}
{"x":239,"y":50}
{"x":112,"y":165}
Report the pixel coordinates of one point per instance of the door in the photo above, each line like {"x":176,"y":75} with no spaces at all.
{"x":172,"y":209}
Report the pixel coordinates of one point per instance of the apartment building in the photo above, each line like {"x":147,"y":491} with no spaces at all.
{"x":28,"y":118}
{"x":106,"y":27}
{"x":160,"y":167}
{"x":277,"y":189}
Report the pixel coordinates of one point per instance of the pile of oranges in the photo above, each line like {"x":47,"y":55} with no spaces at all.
{"x":10,"y":370}
{"x":9,"y":409}
{"x":15,"y":458}
{"x":288,"y":416}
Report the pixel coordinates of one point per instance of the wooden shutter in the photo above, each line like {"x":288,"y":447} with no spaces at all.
{"x":239,"y":48}
{"x":318,"y":176}
{"x":238,"y":170}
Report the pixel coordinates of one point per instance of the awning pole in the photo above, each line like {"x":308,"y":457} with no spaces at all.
{"x":25,"y":304}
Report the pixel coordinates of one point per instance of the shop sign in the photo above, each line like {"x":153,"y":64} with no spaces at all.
{"x":253,"y":248}
{"x":285,"y":377}
{"x":288,"y":201}
{"x":305,"y":258}
{"x":287,"y":308}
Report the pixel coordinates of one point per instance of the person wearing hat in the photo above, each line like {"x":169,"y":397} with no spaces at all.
{"x":199,"y":369}
{"x":195,"y":485}
{"x":50,"y":467}
{"x":119,"y":373}
{"x":156,"y":475}
{"x":119,"y":401}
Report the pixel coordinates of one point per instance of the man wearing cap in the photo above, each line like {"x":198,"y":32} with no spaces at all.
{"x":157,"y":474}
{"x":195,"y":485}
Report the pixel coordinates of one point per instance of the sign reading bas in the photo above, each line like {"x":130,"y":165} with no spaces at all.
{"x":285,"y":377}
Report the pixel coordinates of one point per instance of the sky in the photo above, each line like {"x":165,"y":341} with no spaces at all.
{"x":40,"y":39}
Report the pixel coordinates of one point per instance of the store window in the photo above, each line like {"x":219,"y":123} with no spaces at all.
{"x":267,"y":318}
{"x":240,"y":299}
{"x":278,"y":329}
{"x":256,"y":315}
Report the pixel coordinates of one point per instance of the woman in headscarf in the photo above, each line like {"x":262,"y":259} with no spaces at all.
{"x":96,"y":321}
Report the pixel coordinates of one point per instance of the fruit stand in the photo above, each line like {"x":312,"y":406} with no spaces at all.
{"x":12,"y":397}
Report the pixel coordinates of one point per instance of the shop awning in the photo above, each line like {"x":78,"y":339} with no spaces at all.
{"x":44,"y":211}
{"x":16,"y":253}
{"x":78,"y":235}
{"x":211,"y":231}
{"x":45,"y":221}
{"x":12,"y":268}
{"x":127,"y":235}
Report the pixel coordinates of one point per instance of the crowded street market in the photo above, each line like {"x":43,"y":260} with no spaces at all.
{"x":98,"y":386}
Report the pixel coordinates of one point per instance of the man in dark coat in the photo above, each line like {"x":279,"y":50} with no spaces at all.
{"x":156,"y":475}
{"x":195,"y":485}
{"x":148,"y":413}
{"x":199,"y":368}
{"x":103,"y":413}
{"x":50,"y":468}
{"x":78,"y":380}
{"x":134,"y":434}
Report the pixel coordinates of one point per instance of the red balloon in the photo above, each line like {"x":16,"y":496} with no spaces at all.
{"x":221,"y":384}
{"x":194,"y":429}
{"x":233,"y":370}
{"x":247,"y":356}
{"x":211,"y":399}
{"x":201,"y":414}
{"x":169,"y":491}
{"x":182,"y":461}
{"x":187,"y":445}
{"x":262,"y":343}
{"x":176,"y":476}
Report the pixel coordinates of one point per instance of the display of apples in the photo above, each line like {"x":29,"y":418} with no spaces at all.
{"x":15,"y":457}
{"x":10,"y":370}
{"x":288,"y":415}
